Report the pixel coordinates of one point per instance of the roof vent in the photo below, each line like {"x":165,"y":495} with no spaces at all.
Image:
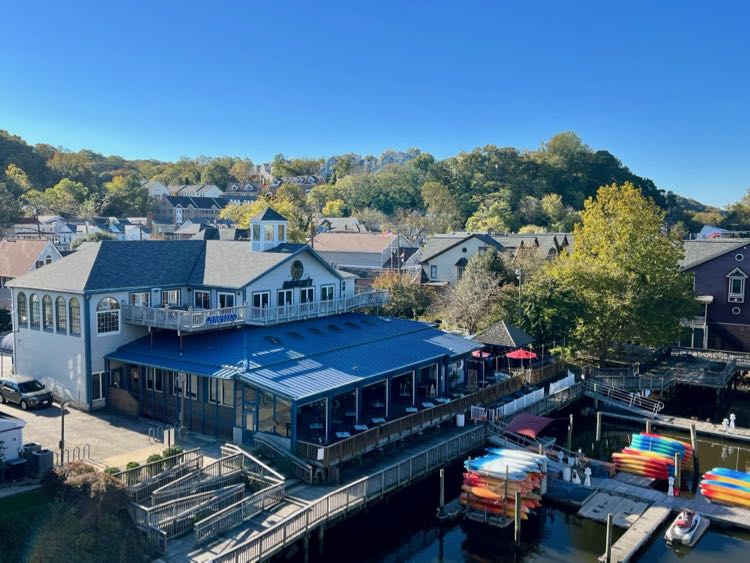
{"x":272,"y":339}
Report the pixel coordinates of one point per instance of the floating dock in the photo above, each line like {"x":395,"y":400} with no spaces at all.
{"x":684,"y":424}
{"x":638,"y":534}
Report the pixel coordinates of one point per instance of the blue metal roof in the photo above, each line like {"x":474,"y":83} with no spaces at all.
{"x":302,"y":359}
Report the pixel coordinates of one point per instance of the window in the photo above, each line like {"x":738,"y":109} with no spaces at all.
{"x":256,"y":232}
{"x":284,"y":297}
{"x":97,"y":386}
{"x":343,"y":288}
{"x":140,"y":299}
{"x":48,"y":260}
{"x":307,"y":295}
{"x":221,"y":391}
{"x":202,"y":299}
{"x":192,"y":390}
{"x":47,"y":315}
{"x":736,"y":310}
{"x":34,"y":306}
{"x":261,"y":299}
{"x":75,"y":317}
{"x":736,"y":286}
{"x":61,"y":310}
{"x":226,"y":300}
{"x":282,"y":232}
{"x":170,"y":297}
{"x":267,"y":232}
{"x":149,"y":378}
{"x":39,"y":264}
{"x":23,"y":312}
{"x":108,"y":316}
{"x":326,"y":293}
{"x":433,"y":272}
{"x":460,"y":271}
{"x":158,"y":380}
{"x":739,"y":257}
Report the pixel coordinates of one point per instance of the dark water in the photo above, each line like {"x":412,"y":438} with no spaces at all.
{"x":404,"y":527}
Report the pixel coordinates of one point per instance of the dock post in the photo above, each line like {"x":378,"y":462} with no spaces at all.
{"x":442,"y":490}
{"x":306,"y":542}
{"x":570,"y":433}
{"x":321,"y":544}
{"x":608,"y":548}
{"x":598,"y":426}
{"x":648,"y":427}
{"x":517,"y":518}
{"x":677,"y":471}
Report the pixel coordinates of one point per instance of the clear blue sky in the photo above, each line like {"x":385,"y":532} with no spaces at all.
{"x":664,"y":85}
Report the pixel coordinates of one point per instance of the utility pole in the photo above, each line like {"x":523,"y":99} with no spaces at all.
{"x":63,"y":406}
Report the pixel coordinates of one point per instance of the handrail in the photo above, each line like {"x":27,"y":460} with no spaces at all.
{"x":351,"y":497}
{"x":298,"y":467}
{"x":131,"y":477}
{"x":254,"y":465}
{"x":604,"y":391}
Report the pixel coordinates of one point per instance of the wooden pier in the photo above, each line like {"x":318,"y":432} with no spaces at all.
{"x":638,"y":534}
{"x":684,"y":424}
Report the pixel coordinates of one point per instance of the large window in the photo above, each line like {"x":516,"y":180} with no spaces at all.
{"x":23,"y":311}
{"x":326,"y":293}
{"x":226,"y":300}
{"x":433,"y":272}
{"x":34,"y":306}
{"x":202,"y":299}
{"x":61,"y":316}
{"x":170,"y":297}
{"x":256,"y":232}
{"x":307,"y":295}
{"x":261,"y":299}
{"x":47,"y":315}
{"x":75,"y":316}
{"x":108,"y":316}
{"x":221,"y":391}
{"x":267,"y":232}
{"x":284,"y":297}
{"x":736,"y":286}
{"x":282,"y":232}
{"x":140,"y":299}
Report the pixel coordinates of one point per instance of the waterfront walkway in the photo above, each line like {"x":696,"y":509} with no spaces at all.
{"x":684,"y":424}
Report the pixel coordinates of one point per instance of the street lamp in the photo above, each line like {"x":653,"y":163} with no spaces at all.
{"x":63,"y":406}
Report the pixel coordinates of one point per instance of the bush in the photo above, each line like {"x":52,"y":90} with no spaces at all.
{"x":132,"y":465}
{"x":174,"y":450}
{"x":111,"y":470}
{"x":154,"y":457}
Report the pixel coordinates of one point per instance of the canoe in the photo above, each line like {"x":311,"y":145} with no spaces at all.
{"x":686,"y":445}
{"x":731,"y":473}
{"x":536,"y":458}
{"x":725,"y":498}
{"x":663,"y":442}
{"x":730,"y":487}
{"x":492,"y":461}
{"x":722,"y":479}
{"x":660,"y":447}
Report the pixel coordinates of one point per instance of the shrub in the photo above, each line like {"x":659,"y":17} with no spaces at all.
{"x":111,"y":470}
{"x":154,"y":457}
{"x":132,"y":465}
{"x":174,"y":450}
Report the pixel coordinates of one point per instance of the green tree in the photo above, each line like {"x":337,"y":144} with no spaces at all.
{"x":242,"y":170}
{"x":442,"y":210}
{"x":10,"y":207}
{"x":216,"y":173}
{"x":335,"y":208}
{"x":241,"y":213}
{"x":16,"y":179}
{"x":470,"y":304}
{"x":623,"y":278}
{"x":409,"y":300}
{"x":125,"y":195}
{"x":93,"y":236}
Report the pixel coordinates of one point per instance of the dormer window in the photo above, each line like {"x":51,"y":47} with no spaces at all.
{"x":736,"y":292}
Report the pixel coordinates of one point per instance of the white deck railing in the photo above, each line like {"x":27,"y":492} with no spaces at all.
{"x":194,"y":320}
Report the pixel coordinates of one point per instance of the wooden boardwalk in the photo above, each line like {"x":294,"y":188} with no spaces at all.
{"x":638,"y":534}
{"x":683,"y":424}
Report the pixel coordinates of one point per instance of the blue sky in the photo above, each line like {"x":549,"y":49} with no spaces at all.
{"x":664,"y":85}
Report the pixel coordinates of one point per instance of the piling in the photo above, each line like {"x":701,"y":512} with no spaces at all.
{"x":596,"y":396}
{"x":517,"y":518}
{"x":321,"y":544}
{"x":608,"y":548}
{"x":306,"y":542}
{"x":648,"y":427}
{"x":506,"y":491}
{"x":442,"y":490}
{"x":570,"y":434}
{"x":598,"y":426}
{"x":677,"y":471}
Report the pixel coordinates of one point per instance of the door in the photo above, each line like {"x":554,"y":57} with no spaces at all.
{"x":284,"y":301}
{"x":97,"y":389}
{"x":261,"y":301}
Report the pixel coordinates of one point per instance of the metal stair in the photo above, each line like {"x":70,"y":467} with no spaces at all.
{"x":622,"y":399}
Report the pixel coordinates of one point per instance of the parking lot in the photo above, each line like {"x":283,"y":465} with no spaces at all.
{"x":112,"y":439}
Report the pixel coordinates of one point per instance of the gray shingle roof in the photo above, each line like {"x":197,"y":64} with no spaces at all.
{"x":269,"y":214}
{"x":504,"y":334}
{"x":437,"y":244}
{"x":699,"y":251}
{"x":110,"y":265}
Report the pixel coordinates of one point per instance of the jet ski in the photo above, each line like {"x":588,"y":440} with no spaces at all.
{"x":687,"y":529}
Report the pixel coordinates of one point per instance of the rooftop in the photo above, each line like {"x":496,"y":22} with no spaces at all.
{"x":700,"y":251}
{"x":354,"y":242}
{"x":504,"y":334}
{"x":18,"y":256}
{"x":303,"y":359}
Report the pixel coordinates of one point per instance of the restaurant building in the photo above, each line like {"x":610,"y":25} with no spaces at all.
{"x":228,"y":338}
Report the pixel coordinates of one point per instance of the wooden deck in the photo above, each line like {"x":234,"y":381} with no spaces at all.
{"x":638,"y":534}
{"x":683,"y":424}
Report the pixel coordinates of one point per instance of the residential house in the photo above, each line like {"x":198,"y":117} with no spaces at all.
{"x":340,"y":225}
{"x":233,"y":339}
{"x":175,"y":210}
{"x":18,"y":257}
{"x":720,"y":276}
{"x":50,"y":227}
{"x":196,"y":190}
{"x":238,"y":192}
{"x":156,"y":188}
{"x":365,"y":254}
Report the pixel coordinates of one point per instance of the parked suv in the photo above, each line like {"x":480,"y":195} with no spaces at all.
{"x":27,"y":392}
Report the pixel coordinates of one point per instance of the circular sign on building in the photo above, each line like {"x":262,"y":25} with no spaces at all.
{"x":297,"y":270}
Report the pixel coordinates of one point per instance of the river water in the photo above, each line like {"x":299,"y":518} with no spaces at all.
{"x":404,"y":527}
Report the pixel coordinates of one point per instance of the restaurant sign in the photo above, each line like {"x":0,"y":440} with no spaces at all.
{"x":221,"y":319}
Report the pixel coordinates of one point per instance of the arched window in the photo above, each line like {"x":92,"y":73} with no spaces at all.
{"x":107,"y":316}
{"x":61,"y":316}
{"x":23,"y":311}
{"x":74,"y":308}
{"x":34,"y":306}
{"x":47,"y":316}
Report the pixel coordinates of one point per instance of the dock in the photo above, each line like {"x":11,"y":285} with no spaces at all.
{"x":684,"y":424}
{"x":638,"y":534}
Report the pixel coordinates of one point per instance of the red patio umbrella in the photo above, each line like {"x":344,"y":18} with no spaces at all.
{"x":521,"y":354}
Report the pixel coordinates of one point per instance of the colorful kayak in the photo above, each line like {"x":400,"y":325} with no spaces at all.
{"x":731,"y":473}
{"x":723,"y":497}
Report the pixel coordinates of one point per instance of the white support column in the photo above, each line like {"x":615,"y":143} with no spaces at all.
{"x":387,"y":397}
{"x":328,"y":408}
{"x":356,"y":405}
{"x":414,"y":388}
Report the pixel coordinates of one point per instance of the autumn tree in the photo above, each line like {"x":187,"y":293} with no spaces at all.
{"x":622,"y":283}
{"x":469,"y":305}
{"x":409,"y":299}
